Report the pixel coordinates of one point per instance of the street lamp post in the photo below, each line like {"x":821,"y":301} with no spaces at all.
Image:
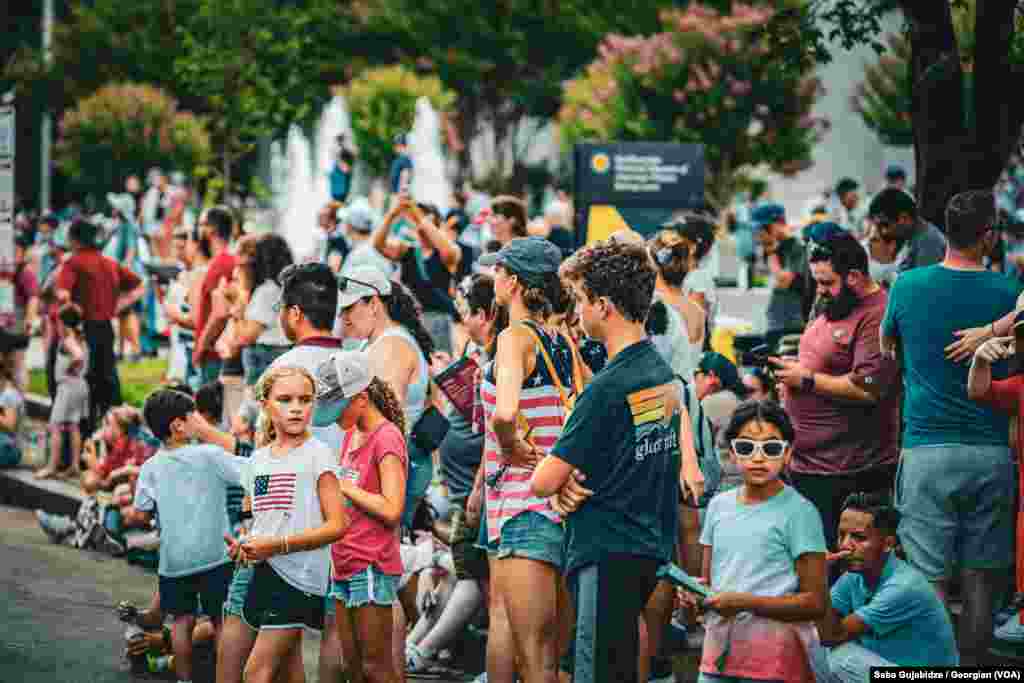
{"x":46,"y":132}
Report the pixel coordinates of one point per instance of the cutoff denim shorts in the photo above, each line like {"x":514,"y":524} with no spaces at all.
{"x":369,"y":587}
{"x":532,"y":536}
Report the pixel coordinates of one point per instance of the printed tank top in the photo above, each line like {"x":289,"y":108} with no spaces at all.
{"x":508,"y":488}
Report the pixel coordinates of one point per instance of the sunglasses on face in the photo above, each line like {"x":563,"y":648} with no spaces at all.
{"x":773,"y":449}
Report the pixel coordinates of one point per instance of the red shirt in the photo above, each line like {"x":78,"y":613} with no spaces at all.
{"x":95,"y":283}
{"x":1007,"y":395}
{"x":367,"y":541}
{"x":220,"y":269}
{"x":124,"y":451}
{"x":834,"y":436}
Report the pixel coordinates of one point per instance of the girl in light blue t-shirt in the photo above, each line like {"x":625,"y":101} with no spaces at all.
{"x":764,"y":559}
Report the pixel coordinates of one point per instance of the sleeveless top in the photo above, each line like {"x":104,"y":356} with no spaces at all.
{"x":508,"y":488}
{"x":416,"y":392}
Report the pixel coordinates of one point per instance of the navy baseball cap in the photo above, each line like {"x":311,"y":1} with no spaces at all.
{"x":723,"y":368}
{"x":766,"y":214}
{"x":822,"y":231}
{"x":530,"y":258}
{"x":894,"y":171}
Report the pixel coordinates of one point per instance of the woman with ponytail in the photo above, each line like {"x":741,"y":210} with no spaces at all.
{"x":682,"y":326}
{"x":386,"y":315}
{"x":372,"y":472}
{"x":527,"y":393}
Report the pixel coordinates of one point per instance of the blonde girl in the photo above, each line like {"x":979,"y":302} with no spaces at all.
{"x":297,"y":513}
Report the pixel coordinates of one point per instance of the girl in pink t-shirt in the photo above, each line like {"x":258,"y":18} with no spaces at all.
{"x":372,"y":470}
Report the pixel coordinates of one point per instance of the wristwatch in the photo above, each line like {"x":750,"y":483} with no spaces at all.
{"x":807,"y":382}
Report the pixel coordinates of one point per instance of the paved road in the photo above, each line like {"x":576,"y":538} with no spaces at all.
{"x":57,"y":622}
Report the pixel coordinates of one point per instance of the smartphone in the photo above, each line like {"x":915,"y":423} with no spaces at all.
{"x":678,"y":577}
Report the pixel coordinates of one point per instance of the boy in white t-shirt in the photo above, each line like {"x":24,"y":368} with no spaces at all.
{"x":186,"y":486}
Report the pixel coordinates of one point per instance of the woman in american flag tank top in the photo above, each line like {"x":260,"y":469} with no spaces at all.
{"x":524,"y":415}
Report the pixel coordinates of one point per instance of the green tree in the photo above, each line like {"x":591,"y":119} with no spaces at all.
{"x":123,"y":129}
{"x":883,"y":99}
{"x":706,"y":78}
{"x":382,"y":102}
{"x":256,"y":66}
{"x":505,"y":60}
{"x":966,"y":115}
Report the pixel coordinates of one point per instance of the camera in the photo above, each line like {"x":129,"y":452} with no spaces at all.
{"x":756,"y":357}
{"x":164,"y":274}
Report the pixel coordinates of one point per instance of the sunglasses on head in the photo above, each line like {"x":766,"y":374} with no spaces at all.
{"x":773,"y":449}
{"x":343,"y":284}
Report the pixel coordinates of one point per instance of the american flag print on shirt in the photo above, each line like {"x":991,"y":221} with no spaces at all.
{"x":273,"y":492}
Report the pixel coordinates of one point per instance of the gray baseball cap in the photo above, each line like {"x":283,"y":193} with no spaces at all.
{"x":530,"y":258}
{"x":338,"y":379}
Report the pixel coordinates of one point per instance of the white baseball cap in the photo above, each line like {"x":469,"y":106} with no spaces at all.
{"x":361,"y":283}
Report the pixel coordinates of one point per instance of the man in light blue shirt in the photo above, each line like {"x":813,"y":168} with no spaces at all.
{"x":884,"y":612}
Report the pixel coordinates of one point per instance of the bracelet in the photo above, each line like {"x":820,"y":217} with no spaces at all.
{"x":286,"y":548}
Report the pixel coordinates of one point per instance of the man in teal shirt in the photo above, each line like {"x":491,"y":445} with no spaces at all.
{"x":884,"y":612}
{"x":953,"y":448}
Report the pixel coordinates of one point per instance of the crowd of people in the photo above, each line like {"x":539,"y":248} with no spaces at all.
{"x":439,"y":425}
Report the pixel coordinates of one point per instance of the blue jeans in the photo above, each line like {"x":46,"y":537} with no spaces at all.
{"x":209,"y":371}
{"x":846,"y":663}
{"x":256,"y":358}
{"x":10,"y":454}
{"x":421,"y":473}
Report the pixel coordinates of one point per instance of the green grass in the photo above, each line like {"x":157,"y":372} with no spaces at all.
{"x":137,"y":380}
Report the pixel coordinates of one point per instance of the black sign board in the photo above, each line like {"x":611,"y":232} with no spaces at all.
{"x":636,"y":175}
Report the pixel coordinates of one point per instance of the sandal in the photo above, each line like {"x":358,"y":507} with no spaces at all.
{"x":46,"y":473}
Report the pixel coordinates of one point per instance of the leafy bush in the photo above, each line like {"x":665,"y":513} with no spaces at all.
{"x":708,"y":78}
{"x":127,"y":128}
{"x":382,"y":103}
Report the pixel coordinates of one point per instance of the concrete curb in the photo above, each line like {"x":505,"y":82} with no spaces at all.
{"x":18,"y":488}
{"x":37,"y":407}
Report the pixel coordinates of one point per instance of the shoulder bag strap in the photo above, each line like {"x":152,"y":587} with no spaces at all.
{"x":563,"y":394}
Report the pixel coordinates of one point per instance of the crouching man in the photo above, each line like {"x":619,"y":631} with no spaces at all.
{"x":884,"y":612}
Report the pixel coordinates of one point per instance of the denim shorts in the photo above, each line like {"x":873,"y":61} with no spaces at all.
{"x":532,"y":536}
{"x":421,"y":473}
{"x":237,"y":591}
{"x":368,"y":587}
{"x":956,"y":503}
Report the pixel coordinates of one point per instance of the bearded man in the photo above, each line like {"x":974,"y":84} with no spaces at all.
{"x":841,"y":392}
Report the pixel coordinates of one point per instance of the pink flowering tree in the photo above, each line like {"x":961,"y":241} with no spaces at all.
{"x":710,"y":78}
{"x":127,"y":128}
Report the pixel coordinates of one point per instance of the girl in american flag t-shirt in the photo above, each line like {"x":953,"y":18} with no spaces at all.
{"x":297,"y":513}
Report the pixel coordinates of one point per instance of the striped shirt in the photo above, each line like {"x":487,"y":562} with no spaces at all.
{"x":541,"y":405}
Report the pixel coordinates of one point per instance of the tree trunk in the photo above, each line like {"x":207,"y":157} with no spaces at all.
{"x":950,"y":158}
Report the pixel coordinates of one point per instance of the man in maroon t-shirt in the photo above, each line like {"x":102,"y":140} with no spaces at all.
{"x":101,"y":287}
{"x":217,"y":225}
{"x":841,"y":393}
